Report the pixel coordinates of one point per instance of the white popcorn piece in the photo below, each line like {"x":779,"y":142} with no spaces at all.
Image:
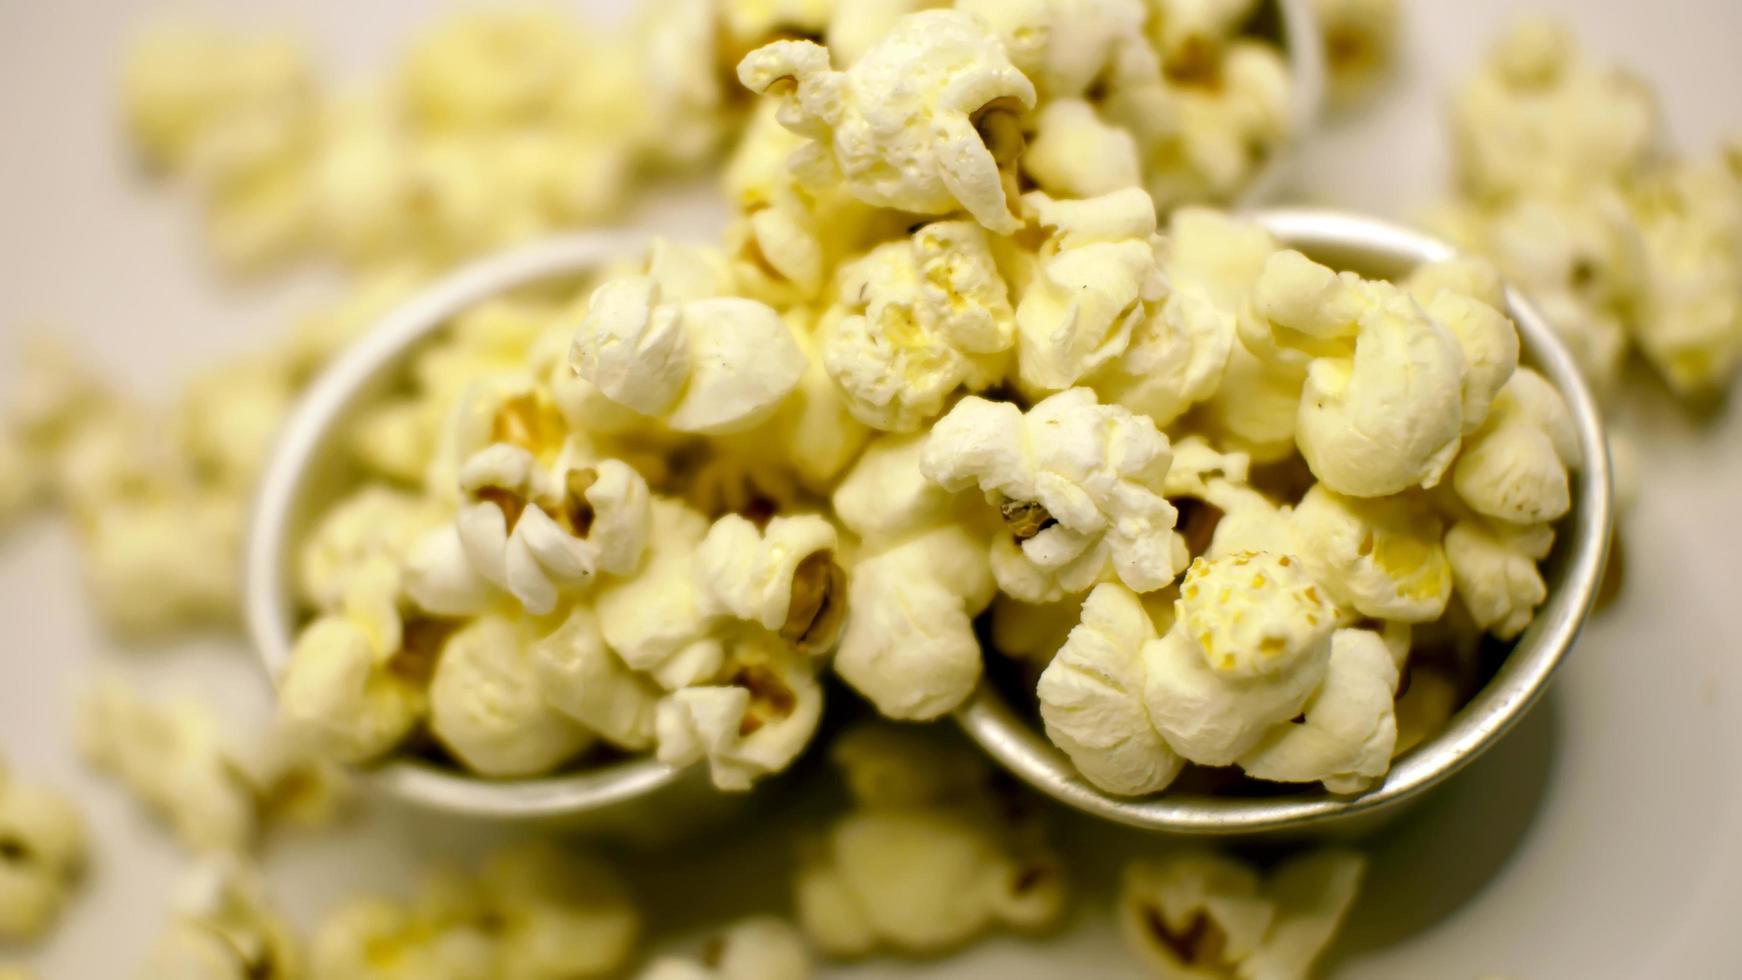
{"x":1540,"y":114}
{"x":157,"y":564}
{"x":1064,"y":46}
{"x":710,"y":365}
{"x":1378,"y":556}
{"x":1074,"y":153}
{"x":42,"y":857}
{"x":1249,"y":647}
{"x":346,"y":698}
{"x":1206,"y":114}
{"x":758,"y":948}
{"x":584,"y":679}
{"x":375,"y":522}
{"x":536,"y":533}
{"x":1077,"y":484}
{"x":486,"y":704}
{"x":922,"y":880}
{"x":1360,"y":38}
{"x":1690,"y":220}
{"x":1096,"y":274}
{"x":1464,"y":295}
{"x":439,"y":578}
{"x":1250,"y":521}
{"x":1197,"y":465}
{"x":815,"y":432}
{"x":1091,"y":698}
{"x":1349,"y":730}
{"x":1194,"y":914}
{"x":915,"y":320}
{"x":680,"y":89}
{"x":1179,"y":354}
{"x":885,"y":496}
{"x":655,"y":620}
{"x":1389,"y":416}
{"x":1515,"y":468}
{"x":856,"y":28}
{"x":224,"y":929}
{"x":752,"y":722}
{"x":925,"y":121}
{"x":909,"y":646}
{"x":562,"y":913}
{"x":783,"y":576}
{"x":1494,"y":567}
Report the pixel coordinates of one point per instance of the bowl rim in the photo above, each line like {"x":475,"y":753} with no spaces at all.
{"x":269,"y":603}
{"x":1020,"y":746}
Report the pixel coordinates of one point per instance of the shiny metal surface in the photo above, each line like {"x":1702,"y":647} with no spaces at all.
{"x":630,"y":797}
{"x":1375,"y":248}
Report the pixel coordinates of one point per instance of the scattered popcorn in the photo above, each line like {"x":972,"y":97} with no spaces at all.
{"x":1200,"y":914}
{"x":1077,"y":485}
{"x":557,"y":913}
{"x":154,"y":565}
{"x":441,"y":935}
{"x":758,"y":948}
{"x":1250,"y":646}
{"x":927,"y":120}
{"x":224,"y":929}
{"x":42,"y":856}
{"x":924,"y":875}
{"x":1360,"y":44}
{"x":486,"y":705}
{"x":1091,"y":698}
{"x":914,"y":321}
{"x":216,"y":792}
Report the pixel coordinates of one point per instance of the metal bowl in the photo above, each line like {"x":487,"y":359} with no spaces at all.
{"x":1374,"y":248}
{"x":305,"y":473}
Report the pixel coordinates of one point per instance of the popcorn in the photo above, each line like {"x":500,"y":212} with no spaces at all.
{"x":1360,"y":44}
{"x":1077,"y":484}
{"x":373,"y":523}
{"x":1427,"y":701}
{"x":1494,"y":567}
{"x":348,"y":696}
{"x":752,"y":722}
{"x":1379,"y":556}
{"x":758,"y":948}
{"x":904,"y":765}
{"x":885,"y":495}
{"x":1389,"y":415}
{"x":215,"y":793}
{"x":486,"y":704}
{"x":156,"y":564}
{"x":655,"y":620}
{"x":1690,"y":220}
{"x":711,"y":365}
{"x":1096,"y":273}
{"x":223,"y":929}
{"x":558,"y":913}
{"x":1249,"y":647}
{"x":1032,"y":633}
{"x":909,"y":645}
{"x":1515,"y":467}
{"x":1091,"y":698}
{"x":1464,"y":295}
{"x":1540,"y":115}
{"x":925,"y":121}
{"x":441,"y":936}
{"x":490,"y":67}
{"x":783,"y":576}
{"x":1075,"y":154}
{"x":1065,"y":46}
{"x":581,"y":677}
{"x":535,"y":533}
{"x":1179,"y":354}
{"x":1206,"y":113}
{"x":1350,"y":728}
{"x":439,"y":578}
{"x":815,"y":431}
{"x":227,"y":419}
{"x":1199,"y":914}
{"x":42,"y":856}
{"x":914,"y":321}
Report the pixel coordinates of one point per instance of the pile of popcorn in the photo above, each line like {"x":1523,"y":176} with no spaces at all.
{"x":1565,"y":181}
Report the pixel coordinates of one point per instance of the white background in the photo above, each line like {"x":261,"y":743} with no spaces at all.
{"x":1600,"y":841}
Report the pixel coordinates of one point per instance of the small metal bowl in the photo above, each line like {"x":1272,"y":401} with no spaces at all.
{"x":636,"y":796}
{"x":1576,"y":569}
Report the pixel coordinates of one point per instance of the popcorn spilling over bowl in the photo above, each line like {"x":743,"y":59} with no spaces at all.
{"x":1332,"y":618}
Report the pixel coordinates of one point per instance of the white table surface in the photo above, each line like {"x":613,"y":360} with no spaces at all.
{"x":1602,"y":840}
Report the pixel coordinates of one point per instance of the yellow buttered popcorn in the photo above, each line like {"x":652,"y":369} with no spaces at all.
{"x":1378,"y":557}
{"x":925,"y":121}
